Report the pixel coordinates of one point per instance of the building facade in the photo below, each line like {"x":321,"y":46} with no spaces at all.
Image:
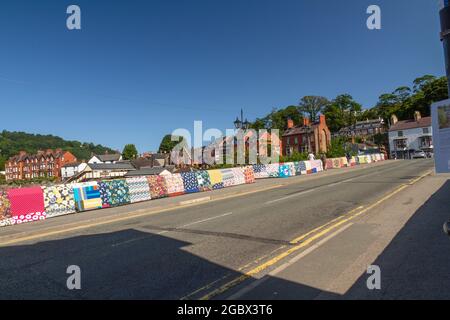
{"x":363,"y":129}
{"x":406,"y":137}
{"x":105,"y":158}
{"x":42,"y":164}
{"x":307,"y":137}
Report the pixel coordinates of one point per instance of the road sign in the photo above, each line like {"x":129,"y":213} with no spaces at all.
{"x":440,"y":113}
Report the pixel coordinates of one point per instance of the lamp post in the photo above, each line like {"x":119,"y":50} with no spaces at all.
{"x":445,"y":34}
{"x":240,"y":124}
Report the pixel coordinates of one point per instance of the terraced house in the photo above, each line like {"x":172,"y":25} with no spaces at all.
{"x":47,"y":163}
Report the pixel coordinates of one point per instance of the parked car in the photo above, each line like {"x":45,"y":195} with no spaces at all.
{"x":419,"y":155}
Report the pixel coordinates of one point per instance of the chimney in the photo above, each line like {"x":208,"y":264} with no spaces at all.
{"x":290,"y":123}
{"x":394,"y":119}
{"x":417,"y":116}
{"x":322,"y":120}
{"x":22,"y":153}
{"x":305,"y":121}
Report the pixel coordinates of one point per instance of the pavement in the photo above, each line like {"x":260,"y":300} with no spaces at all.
{"x":308,"y":237}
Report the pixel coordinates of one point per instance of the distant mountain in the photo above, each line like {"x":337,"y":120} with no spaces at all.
{"x":11,"y":143}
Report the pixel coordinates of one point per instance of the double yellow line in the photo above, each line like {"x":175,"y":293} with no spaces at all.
{"x":304,"y":241}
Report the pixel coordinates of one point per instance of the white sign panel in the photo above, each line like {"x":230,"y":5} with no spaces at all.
{"x":440,"y":113}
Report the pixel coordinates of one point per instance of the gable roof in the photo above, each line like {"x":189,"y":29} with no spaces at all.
{"x":411,"y":124}
{"x":108,"y":157}
{"x":111,"y":166}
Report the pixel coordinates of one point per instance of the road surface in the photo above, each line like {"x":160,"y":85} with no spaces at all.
{"x":206,"y":250}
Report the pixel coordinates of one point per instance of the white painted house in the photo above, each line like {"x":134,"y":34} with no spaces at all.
{"x":71,"y":169}
{"x":408,"y":136}
{"x":105,"y":158}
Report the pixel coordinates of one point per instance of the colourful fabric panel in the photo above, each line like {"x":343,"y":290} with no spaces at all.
{"x":344,"y":162}
{"x":362,"y":159}
{"x":329,"y":163}
{"x":5,"y":209}
{"x":139,"y":189}
{"x":336,"y":163}
{"x":118,"y":192}
{"x":239,"y":176}
{"x":216,"y":179}
{"x":27,"y":204}
{"x":228,"y":178}
{"x":302,"y":167}
{"x":317,"y":165}
{"x":175,"y":185}
{"x":260,"y":171}
{"x":190,"y":182}
{"x":249,"y":174}
{"x":204,"y":181}
{"x":87,"y":196}
{"x":273,"y":170}
{"x":58,"y":200}
{"x":104,"y":194}
{"x":284,"y":171}
{"x":158,"y":187}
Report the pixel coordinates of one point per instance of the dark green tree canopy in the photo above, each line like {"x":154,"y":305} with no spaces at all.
{"x":342,"y":112}
{"x":129,"y":152}
{"x":169,"y":142}
{"x":312,"y":106}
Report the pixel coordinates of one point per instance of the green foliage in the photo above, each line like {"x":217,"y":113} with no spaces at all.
{"x":167,"y":144}
{"x":295,"y":156}
{"x":312,"y":106}
{"x":337,"y":148}
{"x":342,"y":112}
{"x":41,"y":181}
{"x":11,"y":143}
{"x":129,"y":152}
{"x":277,"y":119}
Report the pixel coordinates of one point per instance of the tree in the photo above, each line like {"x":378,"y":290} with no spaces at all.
{"x":167,"y":144}
{"x":342,"y":112}
{"x":129,"y":152}
{"x":277,"y":119}
{"x":312,"y":106}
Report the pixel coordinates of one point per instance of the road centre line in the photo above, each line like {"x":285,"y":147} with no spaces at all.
{"x":305,"y":243}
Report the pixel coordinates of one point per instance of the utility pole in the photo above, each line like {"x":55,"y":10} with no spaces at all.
{"x":445,"y":35}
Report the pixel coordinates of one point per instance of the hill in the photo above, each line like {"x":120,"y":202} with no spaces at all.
{"x":11,"y":143}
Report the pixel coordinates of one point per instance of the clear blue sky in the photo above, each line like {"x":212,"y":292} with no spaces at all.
{"x":139,"y":69}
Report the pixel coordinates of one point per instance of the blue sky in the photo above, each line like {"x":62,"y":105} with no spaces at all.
{"x":140,"y":69}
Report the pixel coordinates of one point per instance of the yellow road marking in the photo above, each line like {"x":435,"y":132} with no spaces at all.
{"x":305,"y":243}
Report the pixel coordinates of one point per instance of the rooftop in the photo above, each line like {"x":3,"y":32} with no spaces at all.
{"x":411,"y":124}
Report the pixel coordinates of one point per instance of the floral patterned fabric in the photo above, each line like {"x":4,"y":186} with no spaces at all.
{"x":5,"y":209}
{"x":300,"y":167}
{"x":158,"y":187}
{"x":190,"y":182}
{"x":204,"y":181}
{"x":139,"y":189}
{"x":87,"y":196}
{"x":216,"y":179}
{"x":239,"y":176}
{"x":27,"y":204}
{"x":273,"y":170}
{"x":104,"y":194}
{"x":249,"y":174}
{"x":175,"y":186}
{"x":228,"y":177}
{"x":118,"y":192}
{"x":284,"y":171}
{"x":58,"y":200}
{"x":260,"y":171}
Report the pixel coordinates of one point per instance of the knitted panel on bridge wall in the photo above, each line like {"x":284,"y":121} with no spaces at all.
{"x":158,"y":187}
{"x":284,"y":171}
{"x":104,"y":194}
{"x":204,"y":181}
{"x":362,"y":159}
{"x":27,"y":204}
{"x":336,"y":163}
{"x":228,"y":178}
{"x":291,"y":168}
{"x":190,"y":182}
{"x":239,"y":176}
{"x":249,"y":174}
{"x":139,"y":189}
{"x":118,"y":192}
{"x":329,"y":163}
{"x":175,"y":185}
{"x":300,"y":167}
{"x":273,"y":170}
{"x":260,"y":171}
{"x":87,"y":196}
{"x":316,"y":165}
{"x":216,"y":179}
{"x":5,"y":209}
{"x":58,"y":200}
{"x":344,"y":162}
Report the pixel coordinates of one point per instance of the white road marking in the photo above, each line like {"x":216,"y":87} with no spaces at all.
{"x":258,"y":282}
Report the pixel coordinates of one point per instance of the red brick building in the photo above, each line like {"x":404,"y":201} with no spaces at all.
{"x":42,"y":164}
{"x":307,"y":137}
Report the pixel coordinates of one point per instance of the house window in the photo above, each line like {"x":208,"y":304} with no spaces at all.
{"x":296,"y":140}
{"x":426,"y":130}
{"x":400,"y":133}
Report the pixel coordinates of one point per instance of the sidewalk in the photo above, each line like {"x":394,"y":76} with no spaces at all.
{"x":403,"y":236}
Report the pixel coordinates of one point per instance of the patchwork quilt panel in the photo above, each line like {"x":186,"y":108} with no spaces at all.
{"x":5,"y":209}
{"x":291,"y":168}
{"x":204,"y":181}
{"x":175,"y":185}
{"x":228,"y":178}
{"x":329,"y":163}
{"x":284,"y":171}
{"x":158,"y":187}
{"x":336,"y":163}
{"x":216,"y":179}
{"x":273,"y":170}
{"x":260,"y":171}
{"x":308,"y":166}
{"x":190,"y":182}
{"x":316,"y":166}
{"x":105,"y":195}
{"x":362,"y":159}
{"x":249,"y":174}
{"x":27,"y":204}
{"x":239,"y":176}
{"x":300,"y":167}
{"x":344,"y":162}
{"x":58,"y":200}
{"x":118,"y":192}
{"x":139,"y":189}
{"x":87,"y":196}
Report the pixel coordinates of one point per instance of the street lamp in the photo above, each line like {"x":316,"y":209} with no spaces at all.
{"x":237,"y":123}
{"x":240,"y":123}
